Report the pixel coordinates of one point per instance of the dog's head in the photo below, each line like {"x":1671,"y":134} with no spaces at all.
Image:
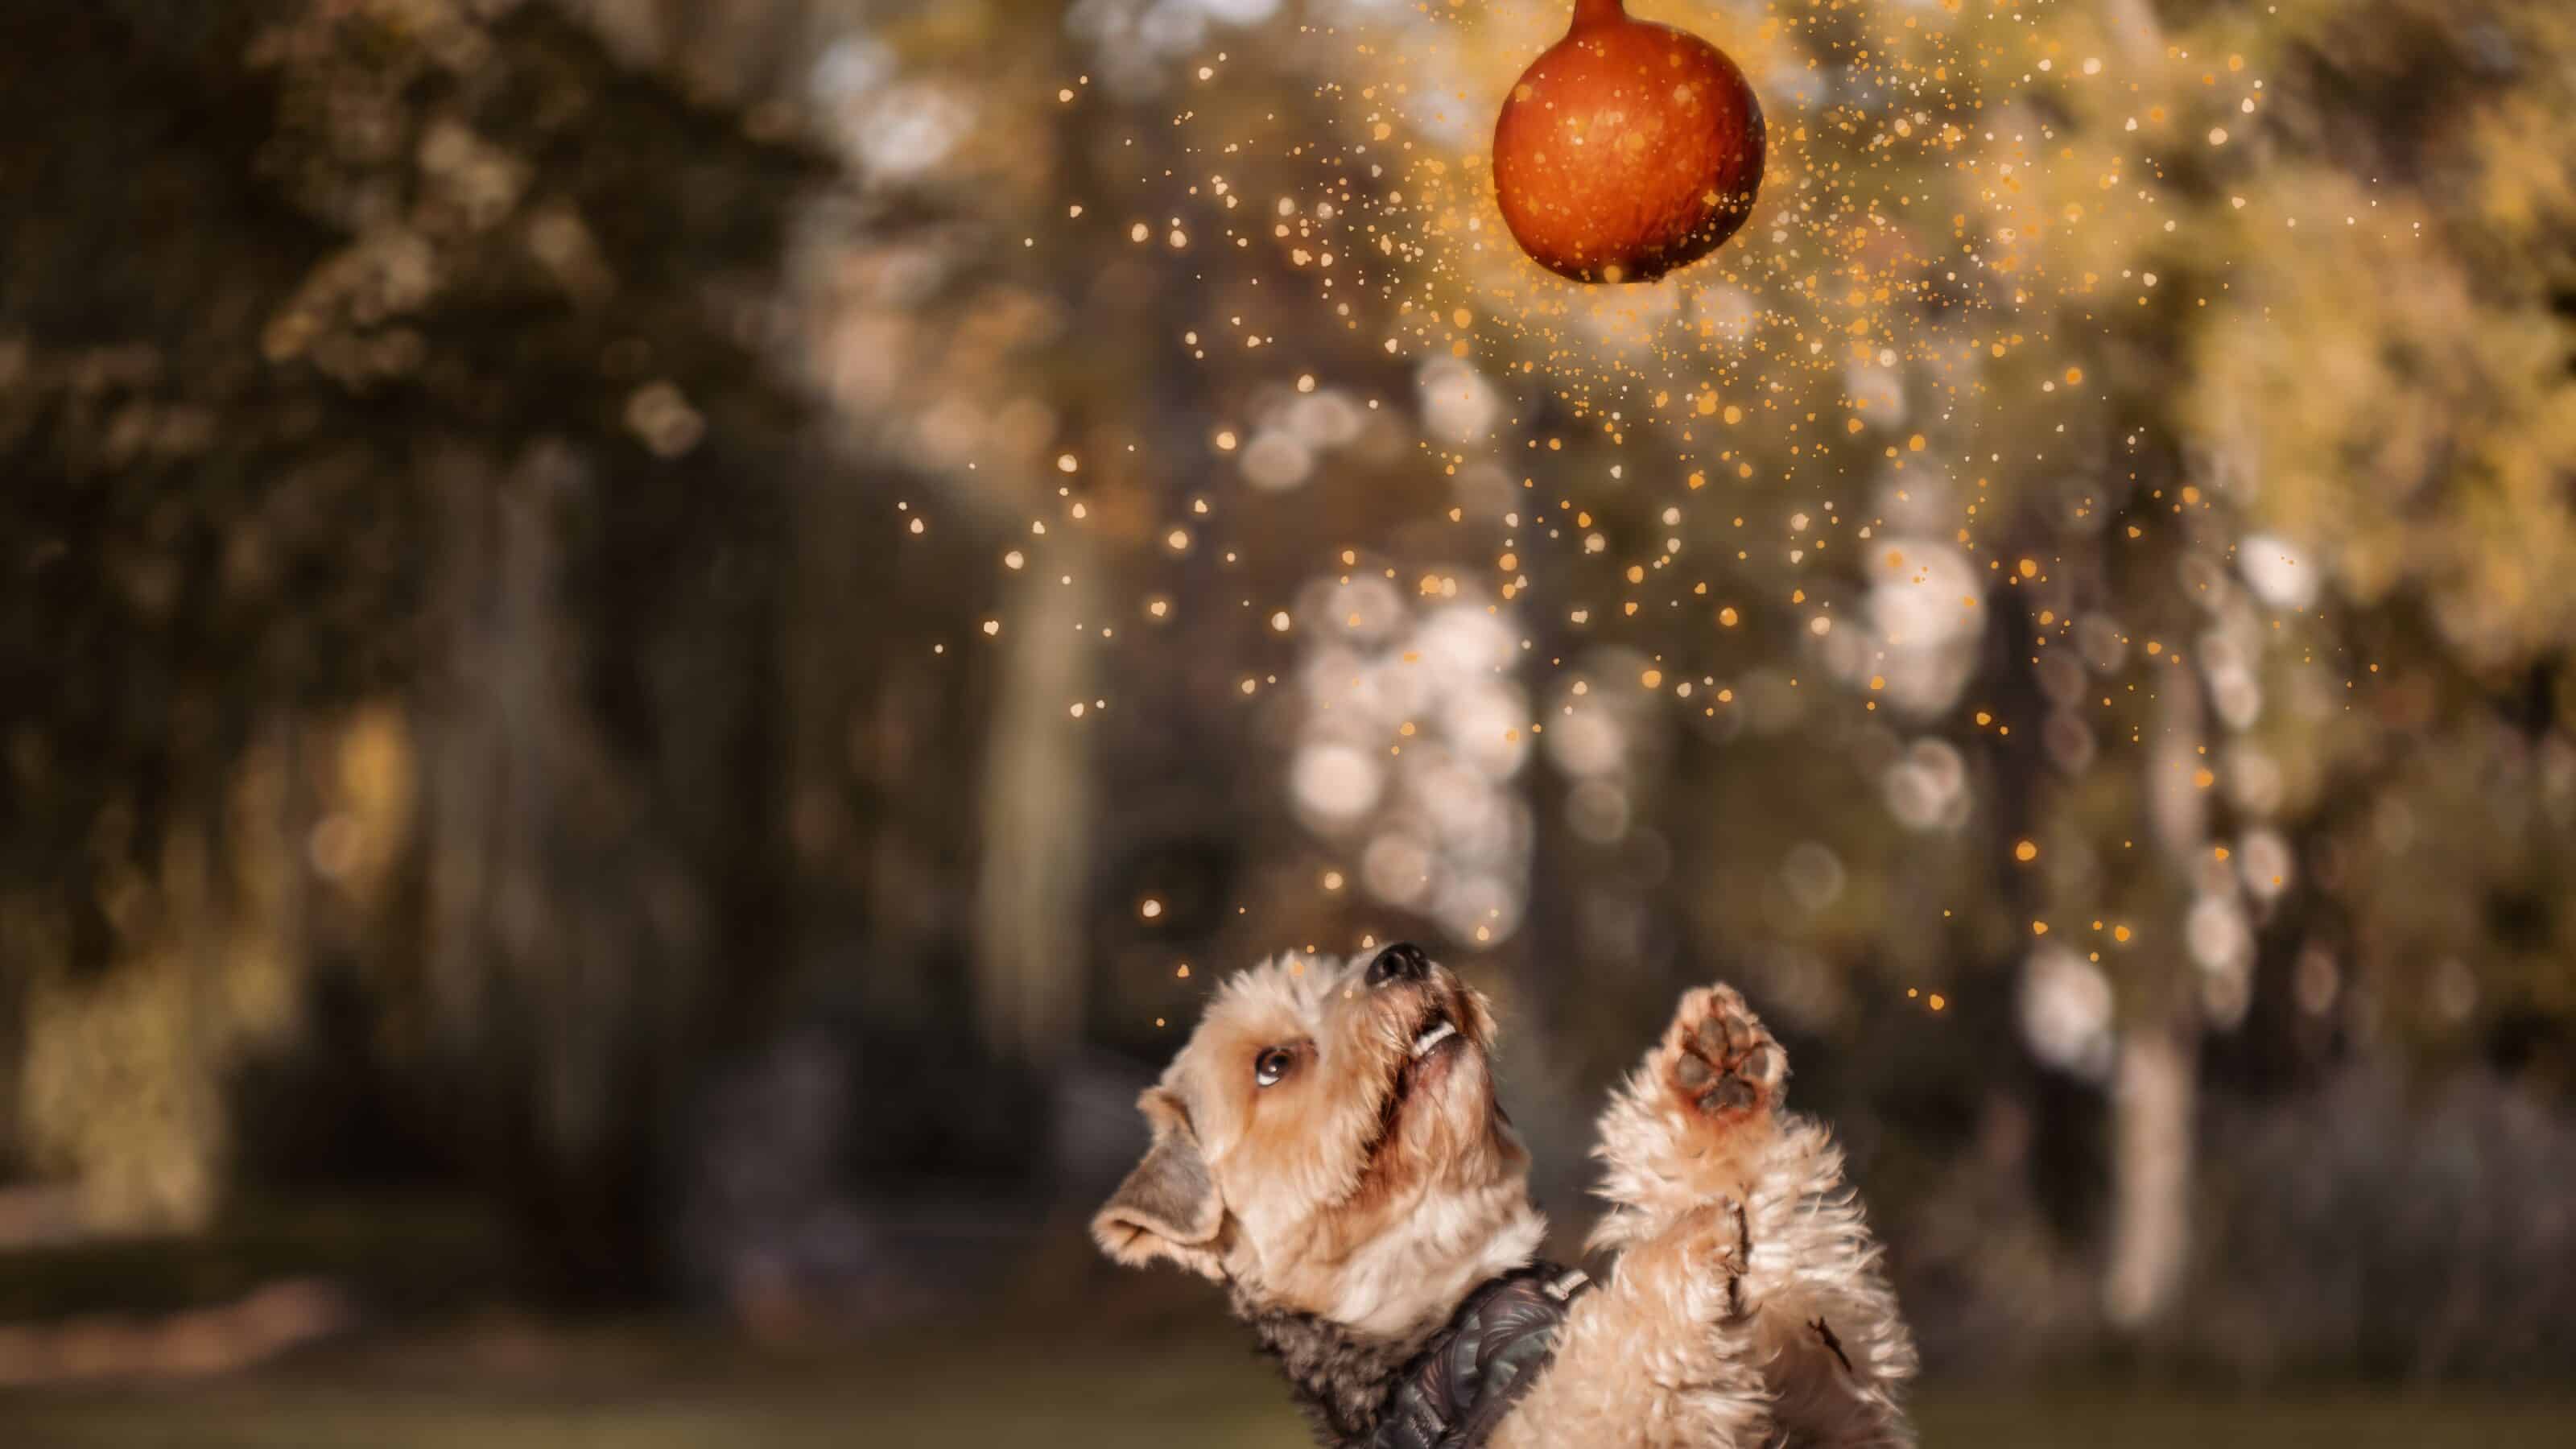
{"x":1328,"y":1142}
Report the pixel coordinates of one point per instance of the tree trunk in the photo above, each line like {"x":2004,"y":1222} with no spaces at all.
{"x":1037,"y":819}
{"x":2155,"y":1091}
{"x":2152,"y":1107}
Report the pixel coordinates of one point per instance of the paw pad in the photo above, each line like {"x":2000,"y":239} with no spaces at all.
{"x":1723,"y":1062}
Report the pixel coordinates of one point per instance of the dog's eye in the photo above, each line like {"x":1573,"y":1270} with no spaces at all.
{"x":1271,"y":1065}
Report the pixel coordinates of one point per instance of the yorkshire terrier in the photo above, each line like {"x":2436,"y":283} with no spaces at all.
{"x":1328,"y":1146}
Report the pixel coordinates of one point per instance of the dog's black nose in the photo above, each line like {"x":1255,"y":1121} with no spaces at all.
{"x":1402,"y":961}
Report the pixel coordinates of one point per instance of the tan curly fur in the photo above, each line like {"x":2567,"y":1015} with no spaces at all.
{"x":1313,"y":1153}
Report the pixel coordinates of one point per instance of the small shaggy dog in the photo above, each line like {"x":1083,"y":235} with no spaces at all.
{"x":1327,"y":1145}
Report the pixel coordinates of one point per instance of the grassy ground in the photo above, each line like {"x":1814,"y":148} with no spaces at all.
{"x":508,"y":1390}
{"x":1165,"y":1414}
{"x":1079,"y":1359}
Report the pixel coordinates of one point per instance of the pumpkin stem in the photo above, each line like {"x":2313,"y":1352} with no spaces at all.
{"x":1589,"y":13}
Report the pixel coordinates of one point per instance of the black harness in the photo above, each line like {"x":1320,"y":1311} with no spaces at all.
{"x":1452,"y":1393}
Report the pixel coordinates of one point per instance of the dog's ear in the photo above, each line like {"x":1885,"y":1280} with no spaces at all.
{"x":1168,"y":1206}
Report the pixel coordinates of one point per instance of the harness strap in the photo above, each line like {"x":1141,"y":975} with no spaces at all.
{"x":1454,"y":1392}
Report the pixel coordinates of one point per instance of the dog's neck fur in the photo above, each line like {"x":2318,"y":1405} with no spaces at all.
{"x":1340,"y":1379}
{"x":1342,"y":1375}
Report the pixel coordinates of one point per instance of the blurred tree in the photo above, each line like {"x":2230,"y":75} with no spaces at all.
{"x":385,"y":381}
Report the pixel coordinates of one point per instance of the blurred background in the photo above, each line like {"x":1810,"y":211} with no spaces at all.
{"x":652,"y":650}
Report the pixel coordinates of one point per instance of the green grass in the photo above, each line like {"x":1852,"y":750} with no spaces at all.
{"x":1150,"y":1412}
{"x":523,"y":1391}
{"x":403,"y":1252}
{"x":1065,"y":1365}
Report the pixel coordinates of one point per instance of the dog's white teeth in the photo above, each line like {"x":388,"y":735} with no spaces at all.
{"x":1439,"y":1032}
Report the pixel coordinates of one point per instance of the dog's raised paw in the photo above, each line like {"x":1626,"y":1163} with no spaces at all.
{"x":1720,"y":1060}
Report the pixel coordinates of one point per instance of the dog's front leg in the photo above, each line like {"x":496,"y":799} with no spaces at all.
{"x":1700,"y":1122}
{"x":1835,"y":1348}
{"x":1692,"y":1124}
{"x":1659,"y":1357}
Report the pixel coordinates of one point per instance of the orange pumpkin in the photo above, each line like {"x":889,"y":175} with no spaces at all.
{"x":1626,"y":149}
